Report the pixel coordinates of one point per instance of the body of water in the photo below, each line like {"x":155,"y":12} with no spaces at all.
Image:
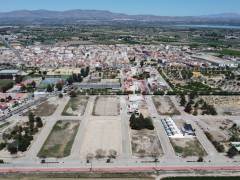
{"x":209,"y":26}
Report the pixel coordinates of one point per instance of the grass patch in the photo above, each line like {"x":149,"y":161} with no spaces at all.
{"x":6,"y":84}
{"x":44,"y":109}
{"x":4,"y":125}
{"x":74,"y":105}
{"x":59,"y":142}
{"x":229,"y":52}
{"x":197,"y":87}
{"x":190,"y":148}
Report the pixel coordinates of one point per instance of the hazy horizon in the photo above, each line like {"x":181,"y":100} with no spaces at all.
{"x":133,"y":7}
{"x":117,"y":12}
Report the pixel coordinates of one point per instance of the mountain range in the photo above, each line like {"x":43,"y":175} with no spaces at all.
{"x":103,"y":17}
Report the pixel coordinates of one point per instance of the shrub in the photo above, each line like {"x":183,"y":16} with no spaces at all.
{"x":232,"y":152}
{"x":139,"y":123}
{"x":2,"y":146}
{"x":60,"y":95}
{"x":12,"y":148}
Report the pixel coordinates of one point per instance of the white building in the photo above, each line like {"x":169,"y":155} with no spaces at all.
{"x":171,"y":128}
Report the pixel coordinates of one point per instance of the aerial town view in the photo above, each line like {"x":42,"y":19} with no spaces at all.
{"x":127,"y":91}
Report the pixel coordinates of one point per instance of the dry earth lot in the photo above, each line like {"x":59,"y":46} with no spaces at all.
{"x":60,"y":140}
{"x":45,"y":109}
{"x":217,"y":130}
{"x":75,"y":106}
{"x":164,"y":105}
{"x":217,"y":127}
{"x":145,"y":143}
{"x":186,"y":147}
{"x":102,"y":133}
{"x":106,"y":106}
{"x":225,"y":105}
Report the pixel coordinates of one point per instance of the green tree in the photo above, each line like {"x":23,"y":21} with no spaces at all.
{"x":39,"y":122}
{"x":232,"y":152}
{"x":59,"y":86}
{"x":188,"y":108}
{"x":60,"y":95}
{"x":12,"y":148}
{"x":73,"y":94}
{"x":31,"y":117}
{"x":183,"y":100}
{"x":49,"y":88}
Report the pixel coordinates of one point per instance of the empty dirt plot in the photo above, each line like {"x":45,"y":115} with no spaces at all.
{"x":218,"y":131}
{"x":186,"y":147}
{"x":165,"y":106}
{"x":102,"y":134}
{"x":106,"y":106}
{"x":60,"y":140}
{"x":75,"y":106}
{"x":47,"y":108}
{"x":225,"y":105}
{"x":219,"y":128}
{"x":145,"y":143}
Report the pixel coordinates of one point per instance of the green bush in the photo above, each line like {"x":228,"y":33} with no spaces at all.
{"x":139,"y":123}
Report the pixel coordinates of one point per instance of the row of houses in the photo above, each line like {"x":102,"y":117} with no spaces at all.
{"x":174,"y":132}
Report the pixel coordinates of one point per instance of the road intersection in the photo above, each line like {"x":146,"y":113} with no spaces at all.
{"x":125,"y":162}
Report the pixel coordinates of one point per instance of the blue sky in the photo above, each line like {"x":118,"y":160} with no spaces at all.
{"x":157,"y":7}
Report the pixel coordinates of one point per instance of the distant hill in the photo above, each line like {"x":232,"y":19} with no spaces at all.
{"x":224,"y":15}
{"x":107,"y":17}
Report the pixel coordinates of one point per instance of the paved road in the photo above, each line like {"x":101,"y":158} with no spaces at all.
{"x":169,"y":160}
{"x":126,"y":144}
{"x":50,"y":121}
{"x":213,"y":155}
{"x":119,"y":169}
{"x":168,"y":150}
{"x":161,"y":79}
{"x":75,"y":152}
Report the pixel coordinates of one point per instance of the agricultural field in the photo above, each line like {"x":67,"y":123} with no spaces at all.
{"x":229,"y":52}
{"x":76,"y":106}
{"x":60,"y":140}
{"x":196,"y":87}
{"x":165,"y":106}
{"x":110,"y":74}
{"x":145,"y":143}
{"x":187,"y":147}
{"x":205,"y":81}
{"x":106,"y":106}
